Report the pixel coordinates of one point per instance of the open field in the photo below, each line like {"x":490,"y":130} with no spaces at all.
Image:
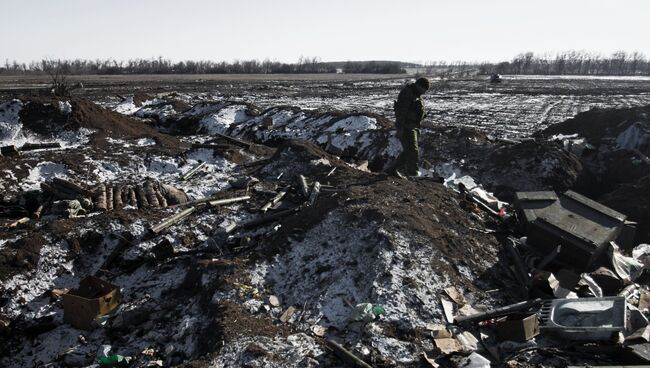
{"x":515,"y":108}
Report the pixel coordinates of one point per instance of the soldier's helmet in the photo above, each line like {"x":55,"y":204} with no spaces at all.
{"x":423,"y":83}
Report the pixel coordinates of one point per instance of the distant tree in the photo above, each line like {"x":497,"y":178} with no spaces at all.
{"x":58,"y":72}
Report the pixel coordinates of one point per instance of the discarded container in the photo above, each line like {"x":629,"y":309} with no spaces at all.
{"x":518,"y":327}
{"x":586,"y":319}
{"x":367,"y":312}
{"x":581,"y":226}
{"x":94,"y":298}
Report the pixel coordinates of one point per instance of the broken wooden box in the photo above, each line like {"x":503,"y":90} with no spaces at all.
{"x":581,"y":226}
{"x":94,"y":298}
{"x":518,"y":327}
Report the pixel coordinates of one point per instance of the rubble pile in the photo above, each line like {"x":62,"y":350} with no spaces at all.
{"x":175,"y":237}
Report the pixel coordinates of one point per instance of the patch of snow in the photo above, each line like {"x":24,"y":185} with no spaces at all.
{"x":353,"y":123}
{"x":146,"y":142}
{"x":126,"y":107}
{"x":400,"y":351}
{"x":221,"y":120}
{"x":107,"y":171}
{"x":204,"y":108}
{"x":26,"y":288}
{"x":293,"y":352}
{"x":74,"y":138}
{"x":323,"y":271}
{"x":157,"y":110}
{"x":44,"y":171}
{"x":65,"y":107}
{"x":10,"y":125}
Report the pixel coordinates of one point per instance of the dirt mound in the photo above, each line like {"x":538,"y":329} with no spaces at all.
{"x":47,"y":117}
{"x":428,"y":209}
{"x":598,"y":124}
{"x":89,"y":115}
{"x":503,"y":168}
{"x":554,"y":167}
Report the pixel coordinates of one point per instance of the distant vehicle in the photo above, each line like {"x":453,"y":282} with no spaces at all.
{"x":495,"y":78}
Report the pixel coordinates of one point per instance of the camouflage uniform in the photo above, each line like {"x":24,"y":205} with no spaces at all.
{"x":409,"y":112}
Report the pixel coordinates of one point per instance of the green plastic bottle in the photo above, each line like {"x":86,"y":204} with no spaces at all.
{"x":115,"y":360}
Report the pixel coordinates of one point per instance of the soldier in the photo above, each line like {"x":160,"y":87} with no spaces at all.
{"x":409,"y":112}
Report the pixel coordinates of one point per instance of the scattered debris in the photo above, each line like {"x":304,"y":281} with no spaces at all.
{"x":203,"y":286}
{"x":287,"y":314}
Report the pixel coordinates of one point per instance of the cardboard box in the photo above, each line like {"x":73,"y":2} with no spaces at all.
{"x":94,"y":298}
{"x":518,"y":327}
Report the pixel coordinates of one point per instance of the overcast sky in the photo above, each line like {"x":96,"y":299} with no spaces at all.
{"x":334,"y":30}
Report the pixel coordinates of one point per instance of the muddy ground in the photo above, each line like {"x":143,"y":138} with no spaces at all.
{"x":199,"y":293}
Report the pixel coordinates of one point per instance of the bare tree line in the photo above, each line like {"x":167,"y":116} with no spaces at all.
{"x":573,"y":63}
{"x":564,"y":63}
{"x":165,"y":66}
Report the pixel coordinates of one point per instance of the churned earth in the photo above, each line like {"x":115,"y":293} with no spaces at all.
{"x":271,"y":293}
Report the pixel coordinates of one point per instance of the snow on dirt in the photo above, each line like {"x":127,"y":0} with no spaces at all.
{"x":12,"y":131}
{"x":298,"y":350}
{"x":44,"y":171}
{"x":220,"y":121}
{"x":311,"y":273}
{"x":10,"y":126}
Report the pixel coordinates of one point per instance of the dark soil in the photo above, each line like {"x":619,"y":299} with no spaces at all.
{"x":20,"y":255}
{"x":633,"y":199}
{"x":234,"y":321}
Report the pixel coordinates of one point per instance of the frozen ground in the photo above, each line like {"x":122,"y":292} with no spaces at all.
{"x":515,"y":108}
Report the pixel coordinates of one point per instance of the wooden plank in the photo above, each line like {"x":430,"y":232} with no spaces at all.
{"x":72,"y":186}
{"x":234,"y":140}
{"x":35,"y":146}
